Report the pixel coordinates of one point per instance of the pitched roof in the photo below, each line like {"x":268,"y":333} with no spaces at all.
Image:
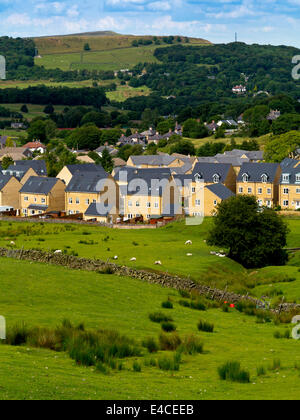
{"x":85,"y":167}
{"x":4,"y":179}
{"x":158,"y":160}
{"x":39,"y":166}
{"x":97,"y":210}
{"x":255,"y":171}
{"x":208,"y":170}
{"x":35,"y":145}
{"x":39,"y":185}
{"x":87,"y":182}
{"x":220,"y":191}
{"x":292,"y":168}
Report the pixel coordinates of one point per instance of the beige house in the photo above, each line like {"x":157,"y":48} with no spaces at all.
{"x":67,"y":173}
{"x":289,"y":187}
{"x":15,"y":153}
{"x":9,"y":191}
{"x":261,"y":180}
{"x":41,"y":195}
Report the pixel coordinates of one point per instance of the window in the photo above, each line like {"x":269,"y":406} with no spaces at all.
{"x":198,"y":203}
{"x":215,"y":202}
{"x":285,"y":191}
{"x":94,"y":201}
{"x":286,"y":178}
{"x":70,"y":211}
{"x":193,"y":190}
{"x":71,"y":201}
{"x":260,"y":190}
{"x":77,"y":200}
{"x":298,"y":178}
{"x":129,"y":203}
{"x":249,"y":190}
{"x":216,"y":179}
{"x":297,"y":190}
{"x":264,"y":178}
{"x":156,"y":205}
{"x":269,"y":191}
{"x":137,"y":204}
{"x":149,"y":205}
{"x":35,"y":199}
{"x":130,"y":216}
{"x":87,"y":201}
{"x":245,"y":178}
{"x":148,"y":216}
{"x":25,"y":211}
{"x":285,"y":203}
{"x":241,"y":189}
{"x":26,"y":199}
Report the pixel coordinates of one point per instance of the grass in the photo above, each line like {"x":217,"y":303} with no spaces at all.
{"x":167,"y":245}
{"x":227,"y":140}
{"x":44,"y":295}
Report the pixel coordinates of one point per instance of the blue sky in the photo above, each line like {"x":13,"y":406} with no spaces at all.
{"x":269,"y":21}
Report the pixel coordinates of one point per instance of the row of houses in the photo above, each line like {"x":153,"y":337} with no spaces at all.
{"x":148,"y":188}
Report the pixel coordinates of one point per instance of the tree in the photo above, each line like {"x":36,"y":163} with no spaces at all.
{"x":49,"y":109}
{"x":85,"y":138}
{"x":280,"y":147}
{"x":184,"y":147}
{"x":106,"y":161}
{"x":6,"y":162}
{"x":37,"y":130}
{"x":24,"y":109}
{"x":254,"y":237}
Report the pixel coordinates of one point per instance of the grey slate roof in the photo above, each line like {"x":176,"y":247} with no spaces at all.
{"x":39,"y":185}
{"x":87,"y":182}
{"x":4,"y":179}
{"x":208,"y":170}
{"x":291,"y":169}
{"x":252,"y":155}
{"x":37,"y":207}
{"x":39,"y":166}
{"x":220,"y":191}
{"x":95,"y":210}
{"x":85,"y":167}
{"x":159,"y":160}
{"x":256,"y":170}
{"x":233,"y":160}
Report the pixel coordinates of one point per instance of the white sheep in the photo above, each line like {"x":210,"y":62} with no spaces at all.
{"x":58,"y":251}
{"x":158,"y":263}
{"x":189,"y":243}
{"x":189,"y":255}
{"x":116,"y":257}
{"x":12,"y":243}
{"x":133,"y":259}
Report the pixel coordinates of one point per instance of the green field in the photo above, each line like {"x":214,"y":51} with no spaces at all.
{"x":43,"y":295}
{"x":239,"y":140}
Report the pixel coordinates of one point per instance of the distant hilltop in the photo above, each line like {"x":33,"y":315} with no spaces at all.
{"x":96,"y":33}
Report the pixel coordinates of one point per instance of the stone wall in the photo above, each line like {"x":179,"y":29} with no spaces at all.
{"x":162,"y":279}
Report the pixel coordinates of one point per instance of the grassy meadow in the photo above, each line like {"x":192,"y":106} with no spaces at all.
{"x":43,"y":295}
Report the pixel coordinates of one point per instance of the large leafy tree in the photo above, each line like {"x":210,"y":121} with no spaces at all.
{"x":280,"y":147}
{"x":254,"y":237}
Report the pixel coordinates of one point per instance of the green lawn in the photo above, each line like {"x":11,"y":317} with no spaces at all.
{"x":43,"y":295}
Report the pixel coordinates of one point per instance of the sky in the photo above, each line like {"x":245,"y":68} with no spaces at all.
{"x":265,"y":22}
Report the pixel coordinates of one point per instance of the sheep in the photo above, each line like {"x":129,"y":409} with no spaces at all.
{"x":116,"y":257}
{"x":12,"y":243}
{"x":58,"y":251}
{"x":189,"y":255}
{"x":189,"y":243}
{"x":133,"y":259}
{"x":158,"y":263}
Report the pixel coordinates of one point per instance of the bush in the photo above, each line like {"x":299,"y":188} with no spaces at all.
{"x":136,"y":367}
{"x":168,"y":327}
{"x":199,"y":306}
{"x":276,"y":365}
{"x":231,"y":371}
{"x":169,"y":342}
{"x":184,"y":303}
{"x":151,"y":345}
{"x":169,"y":364}
{"x":191,"y":345}
{"x":184,"y":294}
{"x":261,"y":371}
{"x":167,"y":305}
{"x":285,"y":334}
{"x":205,"y":326}
{"x":17,"y":335}
{"x":159,"y":317}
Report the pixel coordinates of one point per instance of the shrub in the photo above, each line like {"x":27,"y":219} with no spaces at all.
{"x":167,"y":305}
{"x":205,"y":326}
{"x":276,"y":365}
{"x":169,"y":364}
{"x":100,"y":367}
{"x":17,"y":335}
{"x":261,"y":371}
{"x":151,"y":345}
{"x":225,"y":308}
{"x":185,"y":294}
{"x":191,"y":345}
{"x":169,"y":341}
{"x":231,"y":371}
{"x":136,"y":367}
{"x":168,"y":327}
{"x":199,"y":306}
{"x":106,"y":270}
{"x":159,"y":317}
{"x":184,"y":303}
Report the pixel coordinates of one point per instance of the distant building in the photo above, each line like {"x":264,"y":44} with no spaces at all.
{"x":239,"y":90}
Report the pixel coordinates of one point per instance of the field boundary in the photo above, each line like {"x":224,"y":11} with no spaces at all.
{"x":152,"y":277}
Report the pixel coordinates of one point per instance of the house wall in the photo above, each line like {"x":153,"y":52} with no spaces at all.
{"x":293,"y":196}
{"x":83,"y":205}
{"x":29,"y":173}
{"x":57,"y":197}
{"x":65,"y":175}
{"x":9,"y":196}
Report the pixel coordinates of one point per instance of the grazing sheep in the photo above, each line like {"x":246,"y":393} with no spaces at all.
{"x":213,"y":253}
{"x":58,"y":251}
{"x":189,"y":255}
{"x":189,"y":243}
{"x":133,"y":259}
{"x":12,"y":243}
{"x":158,"y":263}
{"x":116,"y":257}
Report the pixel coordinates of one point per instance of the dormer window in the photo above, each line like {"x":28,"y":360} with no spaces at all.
{"x":216,"y":179}
{"x":286,"y":178}
{"x":198,"y":177}
{"x":298,"y":178}
{"x":264,"y":178}
{"x":245,"y":177}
